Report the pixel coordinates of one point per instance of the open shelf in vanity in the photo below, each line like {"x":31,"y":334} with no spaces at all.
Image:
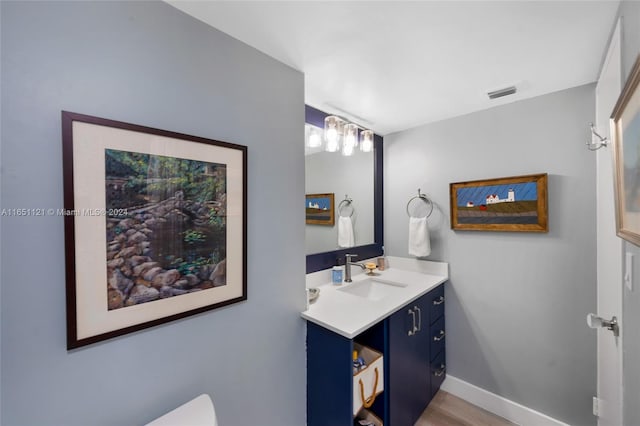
{"x":330,"y":378}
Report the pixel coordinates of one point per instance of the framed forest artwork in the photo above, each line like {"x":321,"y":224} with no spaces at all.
{"x":155,"y":226}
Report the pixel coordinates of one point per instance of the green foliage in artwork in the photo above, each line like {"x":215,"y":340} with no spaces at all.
{"x":159,"y":177}
{"x":217,"y":221}
{"x":192,"y":236}
{"x":193,"y":266}
{"x":186,"y":267}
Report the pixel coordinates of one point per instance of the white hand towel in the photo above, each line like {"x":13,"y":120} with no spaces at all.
{"x":345,"y":232}
{"x":419,"y":244}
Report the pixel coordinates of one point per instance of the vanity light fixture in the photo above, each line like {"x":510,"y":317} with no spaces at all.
{"x":596,"y":141}
{"x":366,"y":143}
{"x":350,"y":139}
{"x":314,"y":139}
{"x":333,"y":130}
{"x":339,"y":135}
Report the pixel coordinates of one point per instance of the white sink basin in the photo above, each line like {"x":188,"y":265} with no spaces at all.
{"x":372,"y":288}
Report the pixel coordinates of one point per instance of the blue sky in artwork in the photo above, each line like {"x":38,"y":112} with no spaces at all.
{"x":323,"y":202}
{"x":478,"y":194}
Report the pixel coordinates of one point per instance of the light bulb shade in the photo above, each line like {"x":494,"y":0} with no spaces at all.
{"x":366,"y":143}
{"x":333,"y":128}
{"x":350,"y":139}
{"x":313,"y":138}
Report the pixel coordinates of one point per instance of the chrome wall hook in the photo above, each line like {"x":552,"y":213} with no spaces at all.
{"x":599,"y":143}
{"x":594,"y":321}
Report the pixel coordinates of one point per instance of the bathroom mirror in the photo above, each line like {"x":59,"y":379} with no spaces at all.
{"x":349,"y":181}
{"x":358,"y":177}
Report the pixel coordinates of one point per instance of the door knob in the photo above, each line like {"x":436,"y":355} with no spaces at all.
{"x":595,"y":321}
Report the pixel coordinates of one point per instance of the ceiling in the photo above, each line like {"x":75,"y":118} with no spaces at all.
{"x":393,"y":65}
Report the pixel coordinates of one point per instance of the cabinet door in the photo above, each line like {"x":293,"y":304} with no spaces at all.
{"x":409,"y":386}
{"x":422,"y":341}
{"x":402,"y":360}
{"x":329,"y":377}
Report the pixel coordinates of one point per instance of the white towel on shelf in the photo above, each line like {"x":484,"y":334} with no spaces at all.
{"x":345,"y":232}
{"x":419,"y":244}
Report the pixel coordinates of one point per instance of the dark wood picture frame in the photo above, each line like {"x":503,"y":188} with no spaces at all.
{"x":625,"y":132}
{"x":155,"y":226}
{"x":320,"y":209}
{"x":515,"y":204}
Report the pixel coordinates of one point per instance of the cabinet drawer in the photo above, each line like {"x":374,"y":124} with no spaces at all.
{"x":436,"y":303}
{"x":436,"y":338}
{"x":438,"y":372}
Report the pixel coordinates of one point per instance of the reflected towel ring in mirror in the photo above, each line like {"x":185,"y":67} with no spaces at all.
{"x":425,"y":199}
{"x":344,"y":206}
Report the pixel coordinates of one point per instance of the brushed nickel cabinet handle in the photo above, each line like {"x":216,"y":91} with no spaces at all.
{"x":441,"y":371}
{"x":413,"y":329}
{"x":439,"y":301}
{"x":419,"y":319}
{"x":439,"y":336}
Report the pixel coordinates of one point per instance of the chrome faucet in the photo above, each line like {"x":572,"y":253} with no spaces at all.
{"x":347,"y":266}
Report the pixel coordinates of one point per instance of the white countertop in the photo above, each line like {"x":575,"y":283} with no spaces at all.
{"x":349,"y":315}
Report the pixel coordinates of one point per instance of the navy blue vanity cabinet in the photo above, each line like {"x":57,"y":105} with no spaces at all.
{"x":416,"y":357}
{"x":329,"y":377}
{"x":412,"y":341}
{"x":330,"y":374}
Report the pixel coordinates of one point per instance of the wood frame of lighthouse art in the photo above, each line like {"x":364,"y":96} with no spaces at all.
{"x":320,"y":209}
{"x":515,"y":204}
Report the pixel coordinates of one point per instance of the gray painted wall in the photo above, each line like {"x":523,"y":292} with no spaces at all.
{"x":327,"y":172}
{"x":630,"y":13}
{"x":149,"y":64}
{"x":516,"y":302}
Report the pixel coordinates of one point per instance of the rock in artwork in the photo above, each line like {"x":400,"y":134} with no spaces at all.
{"x":166,"y":231}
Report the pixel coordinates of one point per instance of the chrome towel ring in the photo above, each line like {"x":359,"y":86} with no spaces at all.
{"x":423,"y":198}
{"x":345,"y":204}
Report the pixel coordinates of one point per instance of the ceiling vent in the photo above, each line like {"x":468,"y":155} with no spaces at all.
{"x":502,"y":92}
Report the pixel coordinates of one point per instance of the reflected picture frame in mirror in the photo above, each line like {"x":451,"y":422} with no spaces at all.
{"x":328,"y":259}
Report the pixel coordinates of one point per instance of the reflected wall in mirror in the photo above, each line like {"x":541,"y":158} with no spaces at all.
{"x":345,"y":176}
{"x":358,"y":177}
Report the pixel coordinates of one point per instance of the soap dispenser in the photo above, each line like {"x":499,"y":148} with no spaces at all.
{"x":382,"y":261}
{"x":336,"y":274}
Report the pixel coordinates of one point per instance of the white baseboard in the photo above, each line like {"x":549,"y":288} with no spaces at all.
{"x":496,"y":404}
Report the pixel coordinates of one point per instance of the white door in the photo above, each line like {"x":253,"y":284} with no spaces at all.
{"x":609,"y":251}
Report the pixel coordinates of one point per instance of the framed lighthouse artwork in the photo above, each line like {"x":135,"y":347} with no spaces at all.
{"x":320,"y":209}
{"x":516,"y":204}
